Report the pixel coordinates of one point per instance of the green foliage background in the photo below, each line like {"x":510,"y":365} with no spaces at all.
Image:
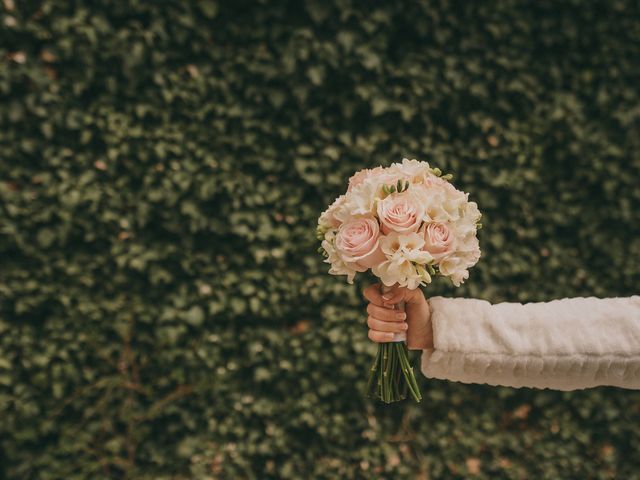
{"x":163,"y":311}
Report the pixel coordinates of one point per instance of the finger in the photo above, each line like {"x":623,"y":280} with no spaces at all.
{"x":379,"y":325}
{"x":386,"y":314}
{"x":395,"y":296}
{"x":380,"y":337}
{"x":372,"y":293}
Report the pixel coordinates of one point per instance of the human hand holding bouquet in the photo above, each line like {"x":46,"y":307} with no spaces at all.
{"x":406,"y":223}
{"x":383,"y":318}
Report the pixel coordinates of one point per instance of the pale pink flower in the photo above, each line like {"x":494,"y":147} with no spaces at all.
{"x":400,"y":212}
{"x":439,"y":240}
{"x":358,"y":242}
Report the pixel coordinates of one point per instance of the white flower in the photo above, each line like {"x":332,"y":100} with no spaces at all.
{"x":403,"y":273}
{"x":453,"y":267}
{"x":443,"y":202}
{"x":456,"y":265}
{"x":411,"y":170}
{"x":405,"y":246}
{"x":468,"y":222}
{"x":405,"y":260}
{"x":327,"y":219}
{"x":359,"y":202}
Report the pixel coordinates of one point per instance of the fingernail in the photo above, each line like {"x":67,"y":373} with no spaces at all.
{"x":405,"y":326}
{"x":386,"y":297}
{"x":401,"y":316}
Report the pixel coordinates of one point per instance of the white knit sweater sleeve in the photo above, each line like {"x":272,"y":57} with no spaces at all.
{"x":564,"y":344}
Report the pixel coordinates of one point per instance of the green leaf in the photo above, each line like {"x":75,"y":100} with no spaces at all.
{"x":46,"y":237}
{"x":195,"y":316}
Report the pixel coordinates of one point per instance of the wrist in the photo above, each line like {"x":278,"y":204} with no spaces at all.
{"x":420,"y":332}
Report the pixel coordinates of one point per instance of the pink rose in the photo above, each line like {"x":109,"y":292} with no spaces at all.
{"x":400,"y":212}
{"x":439,"y":240}
{"x":358,"y":241}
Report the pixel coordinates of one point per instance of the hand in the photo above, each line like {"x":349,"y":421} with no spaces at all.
{"x":384,"y":320}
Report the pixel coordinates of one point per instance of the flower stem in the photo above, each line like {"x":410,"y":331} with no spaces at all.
{"x":408,"y":372}
{"x":372,"y":373}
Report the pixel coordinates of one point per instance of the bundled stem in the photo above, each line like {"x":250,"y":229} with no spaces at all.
{"x":391,"y":374}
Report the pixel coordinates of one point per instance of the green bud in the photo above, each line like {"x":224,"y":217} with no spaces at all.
{"x":423,"y":273}
{"x":392,"y":189}
{"x":399,"y":185}
{"x":437,"y":171}
{"x":479,"y":226}
{"x":448,"y":176}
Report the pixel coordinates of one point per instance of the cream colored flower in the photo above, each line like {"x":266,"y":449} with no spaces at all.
{"x":412,"y":170}
{"x":328,"y":219}
{"x":405,"y":260}
{"x":456,"y":265}
{"x":408,"y":246}
{"x":359,"y":202}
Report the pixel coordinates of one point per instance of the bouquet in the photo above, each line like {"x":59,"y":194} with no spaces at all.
{"x":406,"y":223}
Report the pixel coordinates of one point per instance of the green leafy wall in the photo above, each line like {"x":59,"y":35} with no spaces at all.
{"x":163,"y":311}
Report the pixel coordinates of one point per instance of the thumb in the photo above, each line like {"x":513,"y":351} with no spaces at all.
{"x":399,"y":294}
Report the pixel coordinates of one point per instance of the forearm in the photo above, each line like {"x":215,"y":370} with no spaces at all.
{"x":564,"y":344}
